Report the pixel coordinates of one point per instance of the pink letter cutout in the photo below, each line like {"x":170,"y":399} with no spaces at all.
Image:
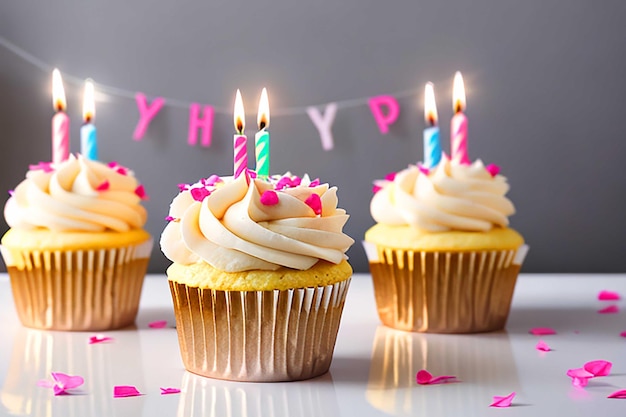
{"x":384,"y":120}
{"x":195,"y":122}
{"x":146,"y":113}
{"x":324,"y":124}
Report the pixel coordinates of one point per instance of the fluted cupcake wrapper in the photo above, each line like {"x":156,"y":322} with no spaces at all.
{"x":81,"y":290}
{"x":258,"y":335}
{"x":447,"y":291}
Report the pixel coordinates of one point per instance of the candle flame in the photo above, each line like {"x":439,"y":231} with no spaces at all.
{"x":89,"y":105}
{"x":430,"y":106}
{"x":58,"y":93}
{"x":458,"y":93}
{"x":263,"y":115}
{"x":239,"y":114}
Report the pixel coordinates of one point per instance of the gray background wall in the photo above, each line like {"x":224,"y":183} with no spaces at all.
{"x":545,"y":81}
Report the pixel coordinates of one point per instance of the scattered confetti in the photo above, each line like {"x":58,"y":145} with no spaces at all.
{"x":493,"y":169}
{"x":159,"y":324}
{"x":269,"y":198}
{"x":121,"y":391}
{"x":62,"y":383}
{"x":424,"y":377}
{"x":621,"y":394}
{"x":543,"y":346}
{"x":169,"y":391}
{"x":580,"y":377}
{"x":99,"y":338}
{"x":612,"y":309}
{"x":502,"y":401}
{"x":315,"y":202}
{"x":542,"y":331}
{"x":598,"y":368}
{"x":608,"y":296}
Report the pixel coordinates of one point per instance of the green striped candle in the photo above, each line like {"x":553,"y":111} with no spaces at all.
{"x":262,"y":137}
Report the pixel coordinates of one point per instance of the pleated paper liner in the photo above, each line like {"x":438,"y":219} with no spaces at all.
{"x":82,"y":290}
{"x":444,"y":292}
{"x":258,"y":336}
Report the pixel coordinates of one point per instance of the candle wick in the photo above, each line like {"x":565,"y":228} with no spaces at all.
{"x":431,"y":120}
{"x":262,"y":125}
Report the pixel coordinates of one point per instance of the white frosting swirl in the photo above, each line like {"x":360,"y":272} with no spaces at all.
{"x":233,"y":230}
{"x":453,"y":196}
{"x":76,"y":195}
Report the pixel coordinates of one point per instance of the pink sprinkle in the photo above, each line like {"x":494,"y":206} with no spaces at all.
{"x":608,"y":295}
{"x":598,"y":368}
{"x":315,"y":182}
{"x":391,"y":176}
{"x":296,"y":181}
{"x":376,"y":188}
{"x":269,"y":198}
{"x":141,"y":192}
{"x":543,"y":346}
{"x":118,"y":168}
{"x":580,"y":377}
{"x":213,"y":179}
{"x":621,"y":394}
{"x":542,"y":331}
{"x":104,"y":186}
{"x":623,"y":334}
{"x":159,"y":324}
{"x":170,"y":218}
{"x":315,"y":202}
{"x":502,"y":401}
{"x":11,"y":192}
{"x":283,"y":183}
{"x":169,"y":391}
{"x":612,"y":309}
{"x":121,"y":391}
{"x":423,"y":169}
{"x":199,"y":194}
{"x":99,"y":338}
{"x":45,"y":166}
{"x":493,"y":169}
{"x":424,"y":377}
{"x":182,"y":187}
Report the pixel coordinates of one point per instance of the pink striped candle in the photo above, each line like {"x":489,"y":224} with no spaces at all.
{"x":458,"y":125}
{"x":239,"y":139}
{"x":60,"y":121}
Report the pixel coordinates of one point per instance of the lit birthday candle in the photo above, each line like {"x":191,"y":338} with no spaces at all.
{"x":432,"y":146}
{"x":60,"y":121}
{"x":239,"y":139}
{"x":88,"y":134}
{"x":458,"y":125}
{"x":262,"y":137}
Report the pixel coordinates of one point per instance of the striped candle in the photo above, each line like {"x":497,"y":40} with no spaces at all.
{"x":88,"y":133}
{"x":432,"y":146}
{"x":458,"y":125}
{"x":60,"y":121}
{"x":262,"y":137}
{"x":239,"y":139}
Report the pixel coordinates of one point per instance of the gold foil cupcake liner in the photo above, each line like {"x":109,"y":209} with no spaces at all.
{"x":258,"y":335}
{"x":82,"y":290}
{"x":444,"y":292}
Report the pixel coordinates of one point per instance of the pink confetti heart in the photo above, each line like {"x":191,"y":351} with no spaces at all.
{"x":424,"y":377}
{"x":605,"y":295}
{"x":121,"y":391}
{"x":543,"y":346}
{"x":501,"y":402}
{"x":580,"y":377}
{"x":159,"y":324}
{"x":62,"y":382}
{"x":104,"y":186}
{"x":99,"y":338}
{"x":165,"y":391}
{"x":493,"y":169}
{"x":621,"y":394}
{"x":141,"y":192}
{"x":542,"y":331}
{"x":612,"y":309}
{"x":598,"y":368}
{"x":315,"y":202}
{"x":269,"y":198}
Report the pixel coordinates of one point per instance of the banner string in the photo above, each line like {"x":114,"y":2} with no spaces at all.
{"x":120,"y":92}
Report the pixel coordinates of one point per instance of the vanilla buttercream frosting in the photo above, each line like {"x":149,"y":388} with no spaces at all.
{"x":256,"y":224}
{"x":451,"y":196}
{"x":77,"y":195}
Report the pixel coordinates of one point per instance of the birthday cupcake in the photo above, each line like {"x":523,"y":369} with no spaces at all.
{"x":442,"y":255}
{"x":259,"y":274}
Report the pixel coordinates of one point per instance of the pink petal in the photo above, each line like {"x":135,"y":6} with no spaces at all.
{"x":159,"y":324}
{"x":543,"y":346}
{"x":67,"y":381}
{"x":618,"y":394}
{"x":598,"y":368}
{"x":424,"y":377}
{"x":580,"y":377}
{"x":141,"y":192}
{"x":609,"y":309}
{"x":608,"y":295}
{"x":99,"y":338}
{"x":199,"y":193}
{"x":442,"y":379}
{"x":269,"y":198}
{"x":493,"y":169}
{"x":169,"y":391}
{"x":104,"y":186}
{"x":120,"y":391}
{"x":315,"y":202}
{"x":502,"y":401}
{"x":542,"y":331}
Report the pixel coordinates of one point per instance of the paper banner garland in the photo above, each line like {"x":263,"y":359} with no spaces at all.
{"x":324,"y":124}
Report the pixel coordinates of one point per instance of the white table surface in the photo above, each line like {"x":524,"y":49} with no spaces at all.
{"x":373,"y":370}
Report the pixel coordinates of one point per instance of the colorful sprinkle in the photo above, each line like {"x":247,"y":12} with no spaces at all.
{"x":376,"y":188}
{"x":183,"y":187}
{"x":315,"y":182}
{"x":391,"y":176}
{"x":45,"y":166}
{"x":159,"y":324}
{"x":315,"y":202}
{"x":104,"y":186}
{"x":141,"y":192}
{"x":170,"y":218}
{"x":493,"y":169}
{"x":423,"y":169}
{"x":200,"y":193}
{"x":269,"y":198}
{"x":118,"y":168}
{"x":99,"y":338}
